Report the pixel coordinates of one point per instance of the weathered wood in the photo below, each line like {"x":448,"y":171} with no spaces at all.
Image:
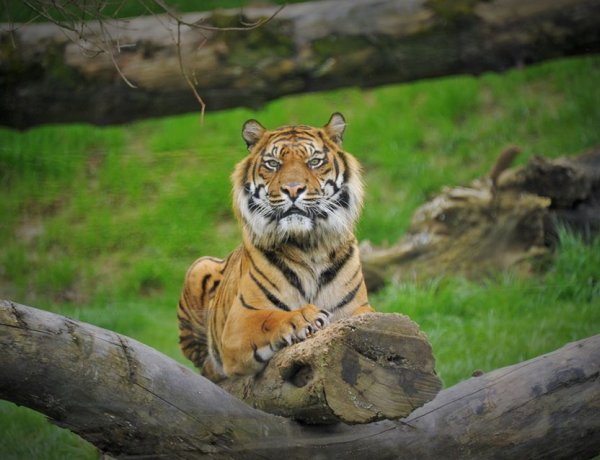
{"x":49,"y":77}
{"x":497,"y":222}
{"x":363,"y":369}
{"x":132,"y":401}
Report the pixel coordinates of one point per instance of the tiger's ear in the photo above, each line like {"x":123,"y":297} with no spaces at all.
{"x":335,"y":127}
{"x":252,"y":131}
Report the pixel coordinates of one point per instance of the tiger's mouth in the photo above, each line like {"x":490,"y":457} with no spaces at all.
{"x":295,"y":221}
{"x":293,"y":211}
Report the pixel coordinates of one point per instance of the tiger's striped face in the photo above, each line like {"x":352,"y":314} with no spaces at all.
{"x":297,"y":185}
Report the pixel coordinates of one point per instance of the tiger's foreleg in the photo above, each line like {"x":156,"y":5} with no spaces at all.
{"x":252,"y":336}
{"x":201,"y":282}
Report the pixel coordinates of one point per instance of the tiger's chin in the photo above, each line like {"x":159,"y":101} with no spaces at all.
{"x":299,"y":229}
{"x":295,"y":225}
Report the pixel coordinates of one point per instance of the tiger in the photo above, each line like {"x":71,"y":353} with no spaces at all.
{"x":297,"y":195}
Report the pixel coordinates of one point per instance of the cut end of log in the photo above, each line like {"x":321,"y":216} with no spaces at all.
{"x":359,"y":370}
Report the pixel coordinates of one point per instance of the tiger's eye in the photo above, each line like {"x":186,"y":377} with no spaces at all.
{"x":315,"y":162}
{"x":272,"y":164}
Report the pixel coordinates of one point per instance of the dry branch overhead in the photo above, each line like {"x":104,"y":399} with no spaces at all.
{"x":87,"y":72}
{"x":132,"y":401}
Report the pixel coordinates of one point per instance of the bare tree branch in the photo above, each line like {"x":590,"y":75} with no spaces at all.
{"x":186,"y":76}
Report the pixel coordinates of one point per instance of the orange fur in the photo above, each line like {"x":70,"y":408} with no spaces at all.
{"x":297,"y":195}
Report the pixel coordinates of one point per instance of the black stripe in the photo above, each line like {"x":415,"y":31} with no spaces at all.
{"x":348,"y":297}
{"x":257,"y":190}
{"x":258,"y":270}
{"x":272,"y":298}
{"x":252,"y":206}
{"x":290,"y":275}
{"x":357,"y":272}
{"x":333,"y":185}
{"x":213,"y":288}
{"x":345,"y":161}
{"x":330,"y":273}
{"x":226,"y":264}
{"x":184,"y":321}
{"x":343,"y":199}
{"x":246,"y":305}
{"x":336,"y":165}
{"x":204,"y":292}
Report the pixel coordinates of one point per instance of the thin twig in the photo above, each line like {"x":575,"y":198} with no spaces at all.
{"x":11,"y":26}
{"x":109,"y":42}
{"x":186,"y":76}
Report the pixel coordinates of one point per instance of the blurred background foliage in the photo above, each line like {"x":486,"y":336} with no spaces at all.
{"x":100,"y":224}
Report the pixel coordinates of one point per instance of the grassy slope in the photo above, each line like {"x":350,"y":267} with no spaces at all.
{"x":101,"y":223}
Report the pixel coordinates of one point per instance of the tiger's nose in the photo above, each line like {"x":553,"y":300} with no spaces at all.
{"x":293,"y":189}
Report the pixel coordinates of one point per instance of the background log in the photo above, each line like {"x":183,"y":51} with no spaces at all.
{"x":494,"y":223}
{"x":46,"y":75}
{"x":132,"y":401}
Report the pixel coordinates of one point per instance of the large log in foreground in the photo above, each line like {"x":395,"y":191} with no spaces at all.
{"x":48,"y":75}
{"x":132,"y":401}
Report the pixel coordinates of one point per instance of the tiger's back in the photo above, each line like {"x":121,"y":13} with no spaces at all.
{"x":201,"y":282}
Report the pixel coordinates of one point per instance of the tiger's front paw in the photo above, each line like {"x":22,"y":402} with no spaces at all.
{"x":293,"y":327}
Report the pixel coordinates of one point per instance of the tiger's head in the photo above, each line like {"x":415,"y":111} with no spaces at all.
{"x":297,"y":186}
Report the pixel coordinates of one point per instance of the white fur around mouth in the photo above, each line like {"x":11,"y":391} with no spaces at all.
{"x":295,"y":223}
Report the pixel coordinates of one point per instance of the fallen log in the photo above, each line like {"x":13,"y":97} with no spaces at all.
{"x":49,"y":75}
{"x":130,"y":400}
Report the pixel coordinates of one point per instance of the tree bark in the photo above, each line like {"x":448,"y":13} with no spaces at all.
{"x":130,"y":400}
{"x":47,"y":76}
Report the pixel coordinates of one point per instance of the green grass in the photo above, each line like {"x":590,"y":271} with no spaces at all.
{"x":100,"y":224}
{"x":507,"y":319}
